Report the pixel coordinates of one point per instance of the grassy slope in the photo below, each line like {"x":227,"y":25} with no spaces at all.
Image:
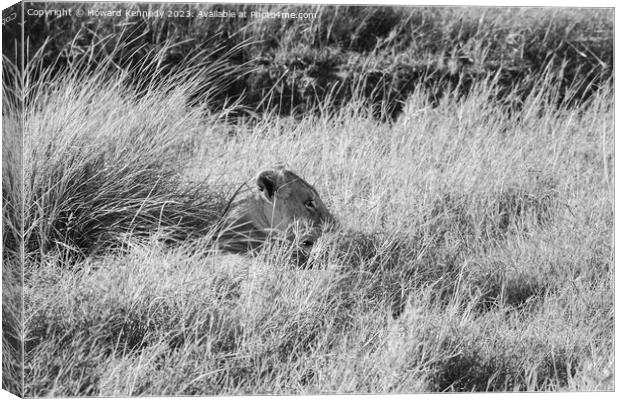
{"x":506,"y":220}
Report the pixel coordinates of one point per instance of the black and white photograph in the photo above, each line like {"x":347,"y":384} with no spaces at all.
{"x":224,"y":199}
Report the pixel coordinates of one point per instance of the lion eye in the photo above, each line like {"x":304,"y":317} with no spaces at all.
{"x":310,"y":204}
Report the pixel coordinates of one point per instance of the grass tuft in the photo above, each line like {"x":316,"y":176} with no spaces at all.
{"x":104,"y":161}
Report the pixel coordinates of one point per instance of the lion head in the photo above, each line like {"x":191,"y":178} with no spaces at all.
{"x":280,"y":205}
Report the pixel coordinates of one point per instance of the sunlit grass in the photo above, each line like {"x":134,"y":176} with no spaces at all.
{"x":475,"y":243}
{"x":475,"y":251}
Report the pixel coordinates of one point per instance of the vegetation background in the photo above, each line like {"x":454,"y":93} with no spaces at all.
{"x":468,"y":153}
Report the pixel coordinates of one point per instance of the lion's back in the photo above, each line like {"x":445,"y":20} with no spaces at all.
{"x":242,"y":229}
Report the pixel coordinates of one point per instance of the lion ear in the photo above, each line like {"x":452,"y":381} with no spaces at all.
{"x":267,"y":183}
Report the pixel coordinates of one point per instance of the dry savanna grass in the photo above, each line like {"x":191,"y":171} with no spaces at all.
{"x":475,"y":251}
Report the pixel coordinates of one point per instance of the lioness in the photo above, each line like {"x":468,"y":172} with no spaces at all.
{"x":282,"y":205}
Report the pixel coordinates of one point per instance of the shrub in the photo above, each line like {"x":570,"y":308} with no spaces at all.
{"x":103,"y":160}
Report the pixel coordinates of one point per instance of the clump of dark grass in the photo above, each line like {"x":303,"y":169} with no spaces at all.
{"x":500,"y":368}
{"x":501,"y":285}
{"x":105,"y":159}
{"x":12,"y":161}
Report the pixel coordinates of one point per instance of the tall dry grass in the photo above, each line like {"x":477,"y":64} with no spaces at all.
{"x":105,"y":157}
{"x":296,"y":64}
{"x":12,"y":203}
{"x":476,"y":251}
